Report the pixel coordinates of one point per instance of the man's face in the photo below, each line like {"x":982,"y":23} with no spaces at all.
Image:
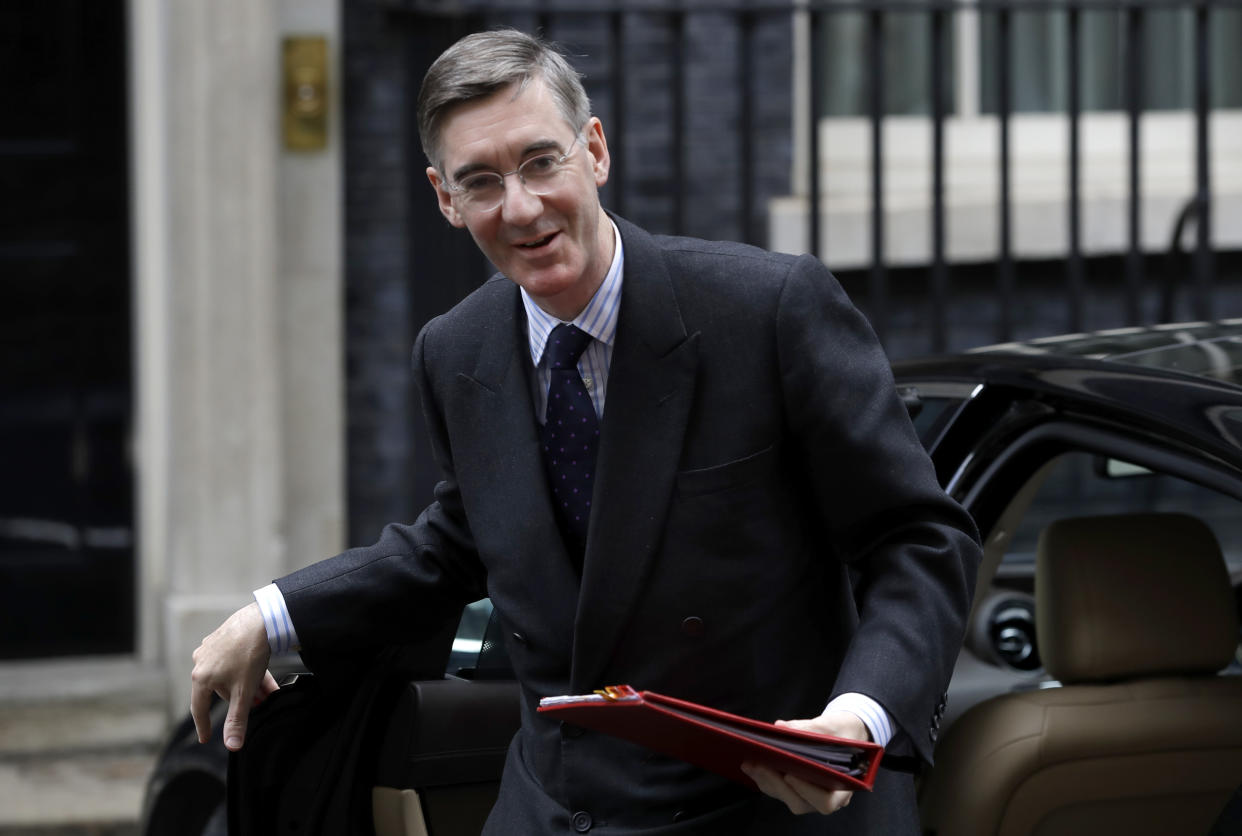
{"x":557,"y":246}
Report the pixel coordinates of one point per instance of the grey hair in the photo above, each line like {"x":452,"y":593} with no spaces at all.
{"x":480,"y":64}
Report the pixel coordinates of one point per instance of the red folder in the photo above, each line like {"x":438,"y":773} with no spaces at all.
{"x":719,"y":741}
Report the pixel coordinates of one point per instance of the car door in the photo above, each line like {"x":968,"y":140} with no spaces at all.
{"x":443,"y":749}
{"x":378,"y":745}
{"x":1030,"y":462}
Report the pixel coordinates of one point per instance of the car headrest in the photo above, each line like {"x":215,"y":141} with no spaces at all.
{"x":1132,"y":595}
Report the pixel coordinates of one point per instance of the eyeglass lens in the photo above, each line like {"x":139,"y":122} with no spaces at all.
{"x":539,"y":175}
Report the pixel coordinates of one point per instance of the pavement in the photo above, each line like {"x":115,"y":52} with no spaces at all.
{"x":78,"y":741}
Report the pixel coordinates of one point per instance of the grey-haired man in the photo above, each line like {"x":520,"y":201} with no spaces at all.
{"x":752,"y":457}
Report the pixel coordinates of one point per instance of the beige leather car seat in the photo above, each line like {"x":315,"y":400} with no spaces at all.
{"x":1135,"y":616}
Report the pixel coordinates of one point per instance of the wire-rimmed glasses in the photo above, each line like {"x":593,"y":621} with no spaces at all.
{"x":483,"y":191}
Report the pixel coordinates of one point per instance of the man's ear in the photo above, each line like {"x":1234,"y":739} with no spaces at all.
{"x":597,"y":146}
{"x":445,"y":198}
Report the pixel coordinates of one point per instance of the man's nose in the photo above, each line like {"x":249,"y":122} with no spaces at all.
{"x":518,"y":205}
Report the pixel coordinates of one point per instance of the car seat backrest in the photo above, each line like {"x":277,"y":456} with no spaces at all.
{"x":1132,"y":595}
{"x":1135,"y":617}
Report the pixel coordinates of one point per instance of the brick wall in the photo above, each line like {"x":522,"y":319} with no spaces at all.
{"x":379,"y":329}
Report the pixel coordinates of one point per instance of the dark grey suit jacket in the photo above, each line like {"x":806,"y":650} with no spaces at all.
{"x":767,"y":532}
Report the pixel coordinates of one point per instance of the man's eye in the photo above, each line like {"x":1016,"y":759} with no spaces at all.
{"x":543,"y":164}
{"x":479,"y":183}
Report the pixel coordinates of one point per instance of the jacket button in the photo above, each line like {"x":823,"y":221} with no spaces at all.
{"x":582,"y":821}
{"x":692,"y":626}
{"x":519,"y":638}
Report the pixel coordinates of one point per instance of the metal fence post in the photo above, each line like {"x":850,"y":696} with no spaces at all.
{"x":1204,"y":263}
{"x":879,"y":277}
{"x":1074,"y":267}
{"x":939,"y":270}
{"x":1134,"y":99}
{"x":1005,"y":267}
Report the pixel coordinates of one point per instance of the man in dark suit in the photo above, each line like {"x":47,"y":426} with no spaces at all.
{"x":756,"y":526}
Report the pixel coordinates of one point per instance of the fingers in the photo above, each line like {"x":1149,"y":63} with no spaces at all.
{"x":835,"y":723}
{"x":821,"y":800}
{"x":231,"y":663}
{"x":200,"y":707}
{"x":235,"y":722}
{"x":266,"y":688}
{"x":770,"y":783}
{"x":798,"y":795}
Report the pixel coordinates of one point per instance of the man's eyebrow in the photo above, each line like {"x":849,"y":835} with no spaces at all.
{"x":533,"y":148}
{"x":541,"y":145}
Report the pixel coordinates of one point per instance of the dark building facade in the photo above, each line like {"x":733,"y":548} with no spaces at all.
{"x":712,"y":111}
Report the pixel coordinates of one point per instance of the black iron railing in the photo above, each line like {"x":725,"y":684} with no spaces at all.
{"x":747,"y":189}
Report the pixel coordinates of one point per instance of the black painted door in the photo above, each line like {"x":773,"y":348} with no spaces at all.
{"x":66,"y":475}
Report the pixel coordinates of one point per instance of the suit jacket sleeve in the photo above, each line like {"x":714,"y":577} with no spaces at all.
{"x":913,"y":550}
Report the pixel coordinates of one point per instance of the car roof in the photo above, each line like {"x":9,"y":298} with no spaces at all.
{"x":1195,"y":352}
{"x":1181,"y":380}
{"x":1204,"y":349}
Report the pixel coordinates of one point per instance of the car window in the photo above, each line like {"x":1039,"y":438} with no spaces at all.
{"x":468,"y":642}
{"x":932,"y":416}
{"x":1076,"y":484}
{"x":1082,"y":484}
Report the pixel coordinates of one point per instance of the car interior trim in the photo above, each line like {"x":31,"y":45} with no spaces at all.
{"x":1065,"y":432}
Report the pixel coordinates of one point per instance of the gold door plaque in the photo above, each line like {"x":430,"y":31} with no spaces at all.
{"x":305,"y":119}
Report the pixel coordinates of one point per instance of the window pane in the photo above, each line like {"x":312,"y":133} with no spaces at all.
{"x":1100,"y":57}
{"x":844,"y":45}
{"x":1225,"y":26}
{"x":1040,"y":60}
{"x":468,"y":642}
{"x":933,"y":416}
{"x":1080,"y":485}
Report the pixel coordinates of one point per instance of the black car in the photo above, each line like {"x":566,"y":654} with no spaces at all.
{"x":1136,"y":431}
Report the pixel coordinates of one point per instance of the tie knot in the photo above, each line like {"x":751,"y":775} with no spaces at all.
{"x":565,"y":345}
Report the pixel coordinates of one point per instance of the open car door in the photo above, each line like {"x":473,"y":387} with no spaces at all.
{"x":381,"y":748}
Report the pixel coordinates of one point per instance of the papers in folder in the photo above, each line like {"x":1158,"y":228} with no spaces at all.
{"x":719,"y":741}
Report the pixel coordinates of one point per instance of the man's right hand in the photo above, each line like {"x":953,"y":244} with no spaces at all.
{"x":231,"y":662}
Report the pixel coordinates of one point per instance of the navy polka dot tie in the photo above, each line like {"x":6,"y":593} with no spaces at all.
{"x":570,"y":437}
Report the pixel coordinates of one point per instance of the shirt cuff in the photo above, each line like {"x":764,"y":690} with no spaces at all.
{"x":872,"y":714}
{"x":281,"y":636}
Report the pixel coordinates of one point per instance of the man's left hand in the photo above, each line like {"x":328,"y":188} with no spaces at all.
{"x":798,"y":795}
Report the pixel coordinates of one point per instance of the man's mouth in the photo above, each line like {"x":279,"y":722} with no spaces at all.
{"x":538,"y":242}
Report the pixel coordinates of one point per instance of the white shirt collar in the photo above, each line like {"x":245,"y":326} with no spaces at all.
{"x":598,"y":318}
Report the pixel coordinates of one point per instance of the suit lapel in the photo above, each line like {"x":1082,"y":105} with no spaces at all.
{"x":498,"y":417}
{"x":650,"y":390}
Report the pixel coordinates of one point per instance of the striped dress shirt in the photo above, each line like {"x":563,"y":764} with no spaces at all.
{"x":598,"y":318}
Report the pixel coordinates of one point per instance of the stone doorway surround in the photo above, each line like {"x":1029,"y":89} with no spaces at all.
{"x":238,"y":309}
